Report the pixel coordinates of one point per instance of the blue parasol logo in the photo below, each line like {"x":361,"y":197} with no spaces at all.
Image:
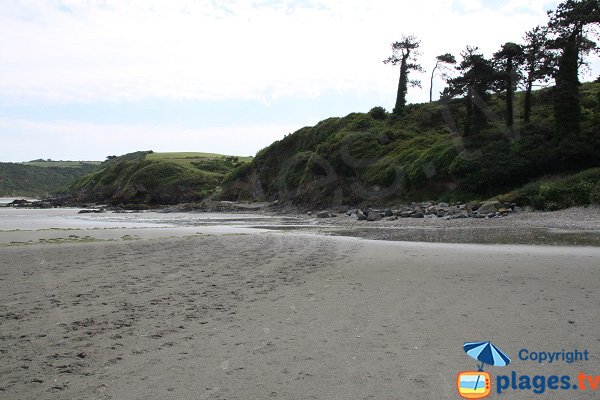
{"x":486,"y":353}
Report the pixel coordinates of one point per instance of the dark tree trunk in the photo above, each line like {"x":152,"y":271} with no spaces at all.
{"x":431,"y":83}
{"x":567,"y":111}
{"x":469,"y":109}
{"x":402,"y":86}
{"x":527,"y":101}
{"x":509,"y":92}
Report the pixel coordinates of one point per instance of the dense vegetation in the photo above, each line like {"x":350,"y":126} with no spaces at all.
{"x":40,"y":178}
{"x":559,"y":191}
{"x":480,"y":139}
{"x":381,"y":157}
{"x":146,"y":177}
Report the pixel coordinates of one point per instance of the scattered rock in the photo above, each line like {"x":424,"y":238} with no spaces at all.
{"x":417,"y":215}
{"x":462,"y":214}
{"x":19,"y":203}
{"x":169,"y":210}
{"x":373,"y":216}
{"x":324,"y":214}
{"x":92,"y":211}
{"x":453,"y":210}
{"x":388,"y":213}
{"x":488,"y":207}
{"x":360,"y":216}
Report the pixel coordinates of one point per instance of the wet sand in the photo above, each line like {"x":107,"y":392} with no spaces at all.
{"x":572,"y":227}
{"x":23,"y":226}
{"x":283,"y":315}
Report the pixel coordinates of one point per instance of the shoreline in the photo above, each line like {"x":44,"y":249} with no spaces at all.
{"x":575,"y":226}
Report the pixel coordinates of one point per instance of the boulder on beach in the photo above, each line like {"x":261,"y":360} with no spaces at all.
{"x":373,"y":216}
{"x":92,"y":211}
{"x":19,"y":203}
{"x":488,"y":207}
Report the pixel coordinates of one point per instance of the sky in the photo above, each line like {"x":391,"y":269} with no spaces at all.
{"x":84,"y":79}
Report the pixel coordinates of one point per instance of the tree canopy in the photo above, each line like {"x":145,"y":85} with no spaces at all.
{"x":405,"y":53}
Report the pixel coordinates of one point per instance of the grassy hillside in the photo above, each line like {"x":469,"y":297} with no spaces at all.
{"x":189,"y":157}
{"x":378,"y":157}
{"x":41,"y":178}
{"x":156,"y":178}
{"x":60,"y":164}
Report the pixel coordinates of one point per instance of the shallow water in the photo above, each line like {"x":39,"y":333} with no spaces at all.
{"x":30,"y":226}
{"x":69,"y":218}
{"x":478,"y":235}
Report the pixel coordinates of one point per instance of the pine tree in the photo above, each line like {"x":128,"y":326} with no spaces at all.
{"x":405,"y":53}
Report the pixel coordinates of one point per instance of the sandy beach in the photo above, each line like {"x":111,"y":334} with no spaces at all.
{"x":280,"y":314}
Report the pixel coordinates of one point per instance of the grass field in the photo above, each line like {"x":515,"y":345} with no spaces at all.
{"x":59,"y":164}
{"x":191,"y":156}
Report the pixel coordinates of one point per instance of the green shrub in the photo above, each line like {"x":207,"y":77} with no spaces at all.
{"x":378,"y":113}
{"x":361,"y":123}
{"x":553,"y":194}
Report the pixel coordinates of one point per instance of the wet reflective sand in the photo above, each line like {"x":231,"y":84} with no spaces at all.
{"x":30,"y":226}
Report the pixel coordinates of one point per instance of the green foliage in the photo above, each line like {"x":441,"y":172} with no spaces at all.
{"x":156,"y":178}
{"x":405,"y":53}
{"x":62,"y":164}
{"x":186,"y":157}
{"x":560,"y":192}
{"x":40,"y":178}
{"x":361,"y":123}
{"x":378,"y":113}
{"x":572,"y":24}
{"x":477,"y":78}
{"x":415,"y":156}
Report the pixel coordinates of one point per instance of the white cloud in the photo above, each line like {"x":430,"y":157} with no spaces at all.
{"x":85,"y":51}
{"x":24,"y":140}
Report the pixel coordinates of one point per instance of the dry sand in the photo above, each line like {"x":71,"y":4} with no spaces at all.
{"x":283,"y":315}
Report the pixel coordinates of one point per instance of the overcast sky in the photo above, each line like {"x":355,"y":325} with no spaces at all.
{"x":83,"y":79}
